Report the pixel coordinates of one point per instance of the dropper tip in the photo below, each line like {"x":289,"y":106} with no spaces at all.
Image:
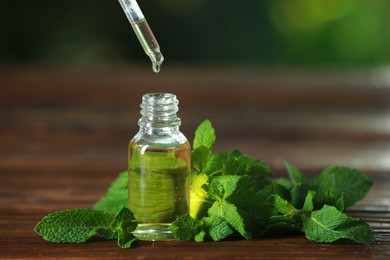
{"x":156,"y":67}
{"x":157,"y":60}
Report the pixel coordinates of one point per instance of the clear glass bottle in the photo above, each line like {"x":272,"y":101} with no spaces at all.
{"x":159,"y":168}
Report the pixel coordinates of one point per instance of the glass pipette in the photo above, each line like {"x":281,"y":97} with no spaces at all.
{"x":143,"y":32}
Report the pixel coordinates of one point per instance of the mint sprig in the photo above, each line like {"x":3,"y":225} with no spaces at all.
{"x":75,"y":226}
{"x":123,"y":225}
{"x":204,"y":135}
{"x":79,"y":225}
{"x":328,"y":224}
{"x":234,"y":194}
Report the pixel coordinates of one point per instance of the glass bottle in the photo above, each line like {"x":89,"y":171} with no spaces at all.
{"x":159,"y":168}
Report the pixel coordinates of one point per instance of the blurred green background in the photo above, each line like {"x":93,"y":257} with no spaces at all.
{"x":322,"y":33}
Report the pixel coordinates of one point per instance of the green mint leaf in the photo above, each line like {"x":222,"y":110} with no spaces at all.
{"x":74,"y":226}
{"x":270,"y":188}
{"x":286,"y":183}
{"x":216,"y":228}
{"x":116,"y":197}
{"x":325,"y":189}
{"x":283,"y":207}
{"x":200,"y":201}
{"x":298,"y":194}
{"x":340,"y":204}
{"x":308,"y":205}
{"x":236,"y":163}
{"x":124,"y":224}
{"x":295,"y":175}
{"x":328,"y":225}
{"x":231,"y":215}
{"x":204,"y":135}
{"x":299,"y":186}
{"x":200,"y":236}
{"x":216,"y":164}
{"x":125,"y":240}
{"x":184,"y":227}
{"x":124,"y":221}
{"x":288,"y":217}
{"x":236,"y":201}
{"x":200,"y":157}
{"x":334,"y":181}
{"x":222,"y":187}
{"x":237,"y":204}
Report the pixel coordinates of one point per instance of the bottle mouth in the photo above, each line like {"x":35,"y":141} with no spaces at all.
{"x":159,"y":109}
{"x":159,"y":99}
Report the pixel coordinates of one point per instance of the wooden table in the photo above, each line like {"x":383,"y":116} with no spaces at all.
{"x":64,"y":135}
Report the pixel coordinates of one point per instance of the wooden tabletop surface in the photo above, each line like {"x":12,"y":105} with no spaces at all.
{"x":64,"y":134}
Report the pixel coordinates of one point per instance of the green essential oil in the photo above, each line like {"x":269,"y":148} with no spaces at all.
{"x":159,"y":182}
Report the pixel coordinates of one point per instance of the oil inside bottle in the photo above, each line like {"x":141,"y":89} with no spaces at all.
{"x":158,"y":188}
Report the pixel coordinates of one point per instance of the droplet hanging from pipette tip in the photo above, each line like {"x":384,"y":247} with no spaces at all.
{"x":156,"y":67}
{"x":157,"y":59}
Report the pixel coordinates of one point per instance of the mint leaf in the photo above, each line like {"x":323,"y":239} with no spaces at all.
{"x":246,"y":209}
{"x":199,"y":199}
{"x":270,"y":188}
{"x":223,"y":189}
{"x":284,"y":217}
{"x":125,"y":240}
{"x":216,"y":228}
{"x":184,"y":227}
{"x":74,"y":226}
{"x":216,"y":164}
{"x":287,"y":217}
{"x":298,"y":194}
{"x":286,"y":183}
{"x":200,"y":157}
{"x":308,"y":205}
{"x":340,"y":204}
{"x":328,"y":225}
{"x":124,"y":224}
{"x":334,"y":181}
{"x":78,"y":225}
{"x":204,"y":135}
{"x":236,"y":163}
{"x":230,"y":213}
{"x":283,"y":207}
{"x":295,"y":175}
{"x":200,"y":236}
{"x":116,"y":197}
{"x":299,"y":186}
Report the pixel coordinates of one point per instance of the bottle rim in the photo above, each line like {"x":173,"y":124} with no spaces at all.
{"x":159,"y":110}
{"x":159,"y":99}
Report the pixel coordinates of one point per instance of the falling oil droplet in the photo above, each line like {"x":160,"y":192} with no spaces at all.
{"x":156,"y":67}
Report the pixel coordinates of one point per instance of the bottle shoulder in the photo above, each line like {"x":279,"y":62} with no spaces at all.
{"x":163,"y":141}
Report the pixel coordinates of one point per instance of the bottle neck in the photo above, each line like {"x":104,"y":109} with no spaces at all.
{"x":158,"y":112}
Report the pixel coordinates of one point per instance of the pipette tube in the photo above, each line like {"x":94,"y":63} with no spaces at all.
{"x":144,"y":33}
